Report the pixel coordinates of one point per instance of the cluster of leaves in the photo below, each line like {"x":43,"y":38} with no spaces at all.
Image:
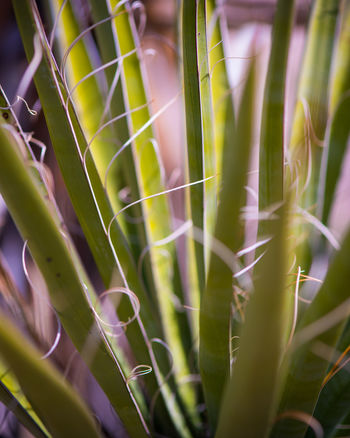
{"x":232,"y":345}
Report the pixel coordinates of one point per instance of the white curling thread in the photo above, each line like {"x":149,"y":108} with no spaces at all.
{"x":93,"y":73}
{"x":143,"y":17}
{"x":249,"y":267}
{"x":30,"y":71}
{"x":295,"y":312}
{"x":55,"y":24}
{"x":135,"y":303}
{"x":56,"y":341}
{"x":151,"y":197}
{"x":253,"y":247}
{"x":114,"y":119}
{"x":163,"y":381}
{"x":42,"y":297}
{"x":100,"y":329}
{"x":173,"y":236}
{"x":139,"y":132}
{"x":42,"y":147}
{"x":111,"y":93}
{"x":320,"y":227}
{"x":138,"y":371}
{"x":82,"y":35}
{"x":155,"y":367}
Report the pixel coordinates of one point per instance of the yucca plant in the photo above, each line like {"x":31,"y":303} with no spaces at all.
{"x":220,"y":336}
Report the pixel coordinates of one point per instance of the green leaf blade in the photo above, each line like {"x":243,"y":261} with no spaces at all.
{"x":250,"y":400}
{"x":67,"y":292}
{"x":215,"y":311}
{"x":65,"y":414}
{"x":271,"y":166}
{"x":307,"y":369}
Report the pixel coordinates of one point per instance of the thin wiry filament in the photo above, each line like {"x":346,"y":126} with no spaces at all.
{"x":111,"y":93}
{"x":337,"y":366}
{"x":119,"y":266}
{"x":228,"y":94}
{"x":19,"y":140}
{"x":308,"y":129}
{"x":68,"y":367}
{"x":232,"y":338}
{"x":138,"y":371}
{"x":26,"y":274}
{"x":295,"y":312}
{"x":20,"y":99}
{"x":253,"y":193}
{"x":44,"y":173}
{"x":45,"y":176}
{"x":308,"y":277}
{"x":324,"y":323}
{"x":139,"y":132}
{"x":320,"y":227}
{"x":91,"y":345}
{"x":31,"y":69}
{"x":93,"y":73}
{"x":82,"y":35}
{"x":294,"y":260}
{"x":161,"y":381}
{"x":173,"y":236}
{"x":56,"y":341}
{"x":238,"y":305}
{"x":113,"y":120}
{"x":304,"y":417}
{"x":42,"y":147}
{"x":135,"y":304}
{"x":214,"y":46}
{"x":107,"y":343}
{"x":307,"y":114}
{"x":118,"y":5}
{"x":223,"y":252}
{"x":53,"y":66}
{"x":164,"y":192}
{"x":230,"y":58}
{"x":137,"y":5}
{"x":232,"y":351}
{"x":57,"y":18}
{"x":42,"y":297}
{"x":213,"y":19}
{"x":253,"y":247}
{"x":249,"y":267}
{"x":156,"y":149}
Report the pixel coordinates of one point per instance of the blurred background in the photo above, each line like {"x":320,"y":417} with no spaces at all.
{"x":248,"y":34}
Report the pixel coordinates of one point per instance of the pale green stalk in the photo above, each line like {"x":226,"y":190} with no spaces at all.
{"x":250,"y":401}
{"x":94,"y":219}
{"x":224,"y":121}
{"x":271,"y":157}
{"x":65,"y":414}
{"x":136,"y":232}
{"x":67,"y":292}
{"x":307,"y":369}
{"x":215,"y":311}
{"x":194,"y":134}
{"x":87,"y":97}
{"x":338,"y":131}
{"x":311,"y":111}
{"x":150,"y":181}
{"x":208,"y":146}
